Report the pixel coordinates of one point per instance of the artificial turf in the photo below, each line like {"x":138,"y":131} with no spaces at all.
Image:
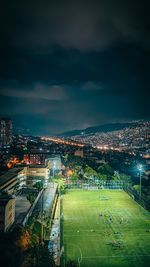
{"x":84,"y":239}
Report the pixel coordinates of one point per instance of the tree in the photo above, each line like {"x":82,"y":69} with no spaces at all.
{"x":17,"y":249}
{"x":11,"y":254}
{"x":61,"y":184}
{"x":39,"y":185}
{"x":147,"y":181}
{"x":89,"y":172}
{"x":74,"y":177}
{"x":137,"y":187}
{"x":101,"y":177}
{"x":116,"y":176}
{"x":31,"y":198}
{"x":65,"y":157}
{"x":126,"y":178}
{"x":41,"y":256}
{"x":78,"y":169}
{"x":106,"y":169}
{"x":72,"y":161}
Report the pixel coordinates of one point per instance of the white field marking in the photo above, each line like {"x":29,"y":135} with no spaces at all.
{"x":130,"y":256}
{"x":68,"y":223}
{"x":138,"y":231}
{"x":92,"y":237}
{"x":125,"y":223}
{"x":109,"y":235}
{"x":64,"y":246}
{"x":79,"y":259}
{"x":99,"y":235}
{"x":79,"y":236}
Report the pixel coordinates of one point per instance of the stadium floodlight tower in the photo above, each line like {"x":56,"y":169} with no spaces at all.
{"x":140,"y":167}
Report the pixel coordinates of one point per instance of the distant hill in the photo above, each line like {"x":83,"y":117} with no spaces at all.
{"x":101,"y":128}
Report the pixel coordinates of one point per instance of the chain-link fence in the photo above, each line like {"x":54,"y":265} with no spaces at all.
{"x":144,"y":201}
{"x":107,"y":185}
{"x":62,"y":256}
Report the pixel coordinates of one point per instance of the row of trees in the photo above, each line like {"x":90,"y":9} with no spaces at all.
{"x":22,"y":248}
{"x":79,"y":169}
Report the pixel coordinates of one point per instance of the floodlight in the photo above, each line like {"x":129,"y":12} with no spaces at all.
{"x":140,"y":167}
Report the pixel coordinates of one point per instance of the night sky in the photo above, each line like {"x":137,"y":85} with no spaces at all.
{"x":68,"y":65}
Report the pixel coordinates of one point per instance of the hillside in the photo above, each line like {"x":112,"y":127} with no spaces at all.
{"x":101,"y":128}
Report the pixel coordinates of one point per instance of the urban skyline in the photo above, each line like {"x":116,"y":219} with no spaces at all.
{"x":74,"y":133}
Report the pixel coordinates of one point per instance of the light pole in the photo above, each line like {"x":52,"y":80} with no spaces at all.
{"x":140,"y":170}
{"x":42,"y":217}
{"x":54,"y":167}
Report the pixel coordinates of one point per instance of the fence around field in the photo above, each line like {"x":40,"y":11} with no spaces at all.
{"x":143,"y":201}
{"x":62,"y":256}
{"x":113,"y":185}
{"x":106,"y":185}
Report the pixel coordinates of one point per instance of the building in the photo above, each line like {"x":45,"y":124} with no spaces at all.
{"x":54,"y":162}
{"x":10,"y":179}
{"x":37,"y":171}
{"x":34,"y":159}
{"x":79,"y":153}
{"x":5,"y":131}
{"x":7,"y":212}
{"x":18,"y":176}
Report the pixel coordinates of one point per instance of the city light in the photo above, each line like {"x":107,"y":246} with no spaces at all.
{"x":56,"y":140}
{"x":75,"y":133}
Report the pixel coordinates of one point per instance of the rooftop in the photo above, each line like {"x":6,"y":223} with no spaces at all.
{"x":9,"y":175}
{"x":4,"y":198}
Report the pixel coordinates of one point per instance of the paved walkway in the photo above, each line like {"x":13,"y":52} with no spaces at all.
{"x":48,"y":197}
{"x":54,"y":243}
{"x":22,"y":205}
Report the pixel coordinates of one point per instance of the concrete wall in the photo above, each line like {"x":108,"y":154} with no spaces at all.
{"x":9,"y":214}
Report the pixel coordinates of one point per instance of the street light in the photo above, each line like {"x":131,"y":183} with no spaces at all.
{"x":140,"y":170}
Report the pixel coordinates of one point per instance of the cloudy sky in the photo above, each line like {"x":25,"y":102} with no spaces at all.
{"x":73,"y":64}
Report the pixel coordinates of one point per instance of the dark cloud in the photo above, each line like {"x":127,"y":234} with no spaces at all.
{"x":72,"y":64}
{"x":38,"y":90}
{"x":82,"y":25}
{"x":91,"y":85}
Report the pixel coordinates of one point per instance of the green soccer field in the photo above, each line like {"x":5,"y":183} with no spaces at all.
{"x":85,"y":241}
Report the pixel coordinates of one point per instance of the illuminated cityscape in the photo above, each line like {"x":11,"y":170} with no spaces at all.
{"x":135,"y":138}
{"x":74,"y":133}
